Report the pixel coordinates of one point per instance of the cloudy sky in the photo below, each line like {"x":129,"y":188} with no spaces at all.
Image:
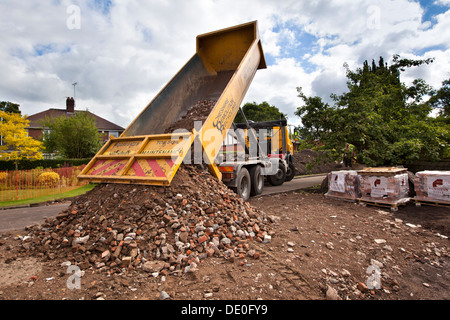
{"x":122,"y":52}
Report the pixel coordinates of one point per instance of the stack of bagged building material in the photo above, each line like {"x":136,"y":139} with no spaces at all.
{"x":432,"y":187}
{"x":384,"y":186}
{"x":343,"y":185}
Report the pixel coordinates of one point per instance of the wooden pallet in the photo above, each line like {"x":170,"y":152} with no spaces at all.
{"x":336,"y":197}
{"x":435,"y":203}
{"x":391,"y":205}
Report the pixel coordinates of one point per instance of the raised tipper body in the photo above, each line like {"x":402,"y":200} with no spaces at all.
{"x":221,"y":70}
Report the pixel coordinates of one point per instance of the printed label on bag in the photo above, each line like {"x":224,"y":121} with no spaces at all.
{"x":337,"y":183}
{"x":438,"y":187}
{"x":378,"y":186}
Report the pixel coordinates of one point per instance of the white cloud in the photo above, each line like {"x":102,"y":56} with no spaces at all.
{"x":124,"y":53}
{"x":442,"y":2}
{"x":440,"y":66}
{"x":278,"y":86}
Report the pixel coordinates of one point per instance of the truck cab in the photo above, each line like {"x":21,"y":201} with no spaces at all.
{"x":256,"y":151}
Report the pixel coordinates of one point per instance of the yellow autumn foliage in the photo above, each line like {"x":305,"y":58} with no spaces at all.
{"x":49,"y":178}
{"x":16,"y":142}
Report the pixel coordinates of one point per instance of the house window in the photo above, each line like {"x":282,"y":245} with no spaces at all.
{"x":115,"y":134}
{"x":45,"y":133}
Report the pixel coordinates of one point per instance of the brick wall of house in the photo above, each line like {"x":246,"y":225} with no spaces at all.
{"x":35,"y":133}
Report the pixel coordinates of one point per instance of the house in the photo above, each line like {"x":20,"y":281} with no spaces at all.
{"x":105,"y":127}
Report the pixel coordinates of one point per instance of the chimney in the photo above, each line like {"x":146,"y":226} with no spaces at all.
{"x":70,"y":105}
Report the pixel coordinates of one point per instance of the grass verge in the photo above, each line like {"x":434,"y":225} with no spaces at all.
{"x":68,"y":194}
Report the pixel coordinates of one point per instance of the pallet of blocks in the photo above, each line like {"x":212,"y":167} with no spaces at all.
{"x":343,"y":185}
{"x":432,"y":188}
{"x":384,"y":187}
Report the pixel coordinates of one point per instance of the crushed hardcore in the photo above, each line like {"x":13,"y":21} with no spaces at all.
{"x":199,"y":112}
{"x":153,"y":229}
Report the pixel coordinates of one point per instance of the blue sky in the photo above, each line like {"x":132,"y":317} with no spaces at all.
{"x":121,"y":53}
{"x":431,"y":9}
{"x":103,"y":6}
{"x":296,"y":44}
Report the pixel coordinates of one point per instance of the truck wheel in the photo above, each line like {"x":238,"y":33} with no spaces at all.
{"x":290,"y":173}
{"x":243,"y":184}
{"x":278,"y":178}
{"x":257,"y":180}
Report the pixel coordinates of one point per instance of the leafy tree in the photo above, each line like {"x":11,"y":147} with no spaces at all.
{"x":74,"y":137}
{"x":317,"y":117}
{"x":9,"y":107}
{"x":17,"y":144}
{"x":386,"y":121}
{"x":259,"y":112}
{"x":441,"y":99}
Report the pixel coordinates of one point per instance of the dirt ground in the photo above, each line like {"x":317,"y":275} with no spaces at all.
{"x":320,"y":249}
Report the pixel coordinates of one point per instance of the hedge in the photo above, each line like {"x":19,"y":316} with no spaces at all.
{"x":44,"y":163}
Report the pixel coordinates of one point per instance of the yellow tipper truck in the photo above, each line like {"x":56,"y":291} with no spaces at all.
{"x":274,"y":136}
{"x":220,"y":71}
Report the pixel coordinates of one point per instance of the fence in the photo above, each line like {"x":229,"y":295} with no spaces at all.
{"x":25,"y":184}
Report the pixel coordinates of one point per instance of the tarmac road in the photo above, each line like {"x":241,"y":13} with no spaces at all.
{"x":294,"y":184}
{"x":19,"y":218}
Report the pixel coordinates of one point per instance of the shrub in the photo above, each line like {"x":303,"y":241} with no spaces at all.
{"x":49,"y":178}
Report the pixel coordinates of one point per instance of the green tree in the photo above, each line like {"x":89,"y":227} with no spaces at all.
{"x":259,"y":112}
{"x":9,"y":107}
{"x":73,"y":137}
{"x":387,"y":122}
{"x":317,"y":117}
{"x":440,"y":99}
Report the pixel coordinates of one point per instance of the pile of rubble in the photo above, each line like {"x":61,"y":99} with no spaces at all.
{"x":199,"y":112}
{"x":309,"y":161}
{"x":156,"y":229}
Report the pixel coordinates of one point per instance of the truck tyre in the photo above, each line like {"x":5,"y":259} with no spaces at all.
{"x":278,"y":178}
{"x":243,"y":184}
{"x":290,"y":173}
{"x":257,"y":180}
